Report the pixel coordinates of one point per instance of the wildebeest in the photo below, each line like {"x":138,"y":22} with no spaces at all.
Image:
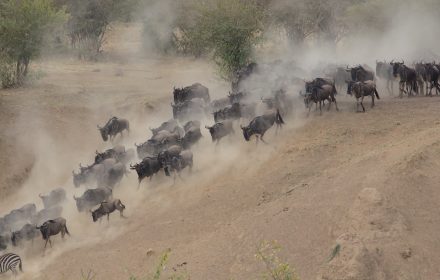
{"x":259,"y":125}
{"x":362,"y":89}
{"x":237,"y":97}
{"x":408,"y":78}
{"x":47,"y":214}
{"x":4,"y":241}
{"x":360,"y":74}
{"x":106,"y":208}
{"x":230,"y":112}
{"x":318,"y":82}
{"x":190,"y":109}
{"x":170,"y":126}
{"x":219,"y":104}
{"x":422,"y":76}
{"x":91,"y":198}
{"x":157,"y":143}
{"x":146,"y":168}
{"x":220,"y":130}
{"x":193,"y":91}
{"x":108,"y":173}
{"x":385,"y":71}
{"x":118,"y":153}
{"x":27,"y":232}
{"x":192,"y":134}
{"x":113,"y":127}
{"x":432,"y":74}
{"x":53,"y":227}
{"x":318,"y":95}
{"x":55,"y":197}
{"x":179,"y":162}
{"x":18,"y":217}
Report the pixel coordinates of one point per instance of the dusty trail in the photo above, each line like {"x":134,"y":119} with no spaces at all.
{"x":306,"y":189}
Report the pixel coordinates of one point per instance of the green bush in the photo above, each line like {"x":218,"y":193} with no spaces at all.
{"x":23,"y":27}
{"x":229,"y":29}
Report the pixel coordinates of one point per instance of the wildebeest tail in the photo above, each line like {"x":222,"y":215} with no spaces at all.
{"x":377,"y":94}
{"x":279,"y":119}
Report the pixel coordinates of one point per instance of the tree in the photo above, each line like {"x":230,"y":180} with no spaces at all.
{"x":23,"y":27}
{"x":229,"y":29}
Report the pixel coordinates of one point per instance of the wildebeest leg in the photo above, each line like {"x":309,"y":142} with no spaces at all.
{"x":108,"y":217}
{"x":362,"y":104}
{"x":262,"y":140}
{"x":256,"y":138}
{"x":372,"y":100}
{"x":308,"y":113}
{"x":320,"y":110}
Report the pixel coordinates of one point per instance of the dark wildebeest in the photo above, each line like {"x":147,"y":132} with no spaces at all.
{"x":108,"y":173}
{"x":408,"y":78}
{"x":385,"y":71}
{"x":362,"y":89}
{"x":318,"y":95}
{"x":360,"y":74}
{"x":219,"y":104}
{"x":220,"y":130}
{"x":179,"y":162}
{"x":53,"y":227}
{"x":113,"y":127}
{"x":340,"y":76}
{"x":231,"y":112}
{"x":27,"y":232}
{"x":192,"y":134}
{"x":4,"y":241}
{"x":432,"y":73}
{"x":193,"y":91}
{"x":170,"y":126}
{"x":106,"y":208}
{"x":20,"y":216}
{"x":85,"y":175}
{"x":190,"y":109}
{"x":157,"y":143}
{"x":91,"y":198}
{"x":146,"y":168}
{"x":422,"y":76}
{"x":118,"y":153}
{"x":55,"y":197}
{"x":259,"y":125}
{"x":47,"y":214}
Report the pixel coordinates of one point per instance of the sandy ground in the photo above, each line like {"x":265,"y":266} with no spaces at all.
{"x":366,"y":183}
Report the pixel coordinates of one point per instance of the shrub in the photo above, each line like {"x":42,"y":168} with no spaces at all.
{"x":23,"y":27}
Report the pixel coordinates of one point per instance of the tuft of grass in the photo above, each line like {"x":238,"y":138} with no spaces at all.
{"x":276,"y":269}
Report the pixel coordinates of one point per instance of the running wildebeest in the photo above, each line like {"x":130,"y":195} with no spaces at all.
{"x":259,"y":125}
{"x":113,"y":127}
{"x":318,"y":95}
{"x":195,"y":108}
{"x":192,"y":134}
{"x":91,"y":198}
{"x":27,"y":232}
{"x":179,"y":162}
{"x":170,"y":126}
{"x":106,"y":208}
{"x":108,"y":173}
{"x":432,"y":74}
{"x":385,"y":71}
{"x":55,"y":197}
{"x":360,"y":74}
{"x":230,"y":112}
{"x":18,"y":217}
{"x":220,"y":130}
{"x":408,"y":78}
{"x":47,"y":214}
{"x":157,"y":143}
{"x":193,"y":91}
{"x":118,"y":153}
{"x":146,"y":168}
{"x":53,"y":227}
{"x":362,"y":89}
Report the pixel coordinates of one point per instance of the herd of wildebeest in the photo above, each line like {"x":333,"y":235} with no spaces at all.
{"x":169,"y":147}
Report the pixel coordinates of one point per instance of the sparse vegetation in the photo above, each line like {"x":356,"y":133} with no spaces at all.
{"x":276,"y":269}
{"x":23,"y":28}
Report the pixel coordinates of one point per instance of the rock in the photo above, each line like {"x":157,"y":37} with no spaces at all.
{"x":406,"y":254}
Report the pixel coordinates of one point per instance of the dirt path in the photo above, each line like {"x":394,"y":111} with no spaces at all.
{"x":368,"y":182}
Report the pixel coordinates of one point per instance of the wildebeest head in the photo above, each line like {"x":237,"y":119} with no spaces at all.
{"x":247,"y":132}
{"x":396,"y":67}
{"x":104,"y":132}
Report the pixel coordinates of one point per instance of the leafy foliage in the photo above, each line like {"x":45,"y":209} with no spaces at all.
{"x":23,"y":27}
{"x":229,"y":29}
{"x":276,"y":269}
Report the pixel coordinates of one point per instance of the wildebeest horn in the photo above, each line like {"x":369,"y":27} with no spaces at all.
{"x":74,"y":197}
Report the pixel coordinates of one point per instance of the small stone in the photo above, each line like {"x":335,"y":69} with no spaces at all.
{"x":397,"y":123}
{"x":406,"y":254}
{"x":150,"y":252}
